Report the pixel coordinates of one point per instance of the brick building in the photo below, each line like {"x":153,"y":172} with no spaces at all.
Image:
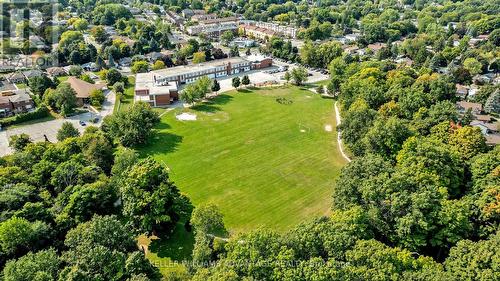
{"x":15,"y":102}
{"x":160,"y":87}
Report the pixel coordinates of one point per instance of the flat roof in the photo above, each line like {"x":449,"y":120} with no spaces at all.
{"x":186,"y":69}
{"x":146,"y":81}
{"x":256,"y":57}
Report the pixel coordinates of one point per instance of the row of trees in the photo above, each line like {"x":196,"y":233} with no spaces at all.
{"x":72,"y":210}
{"x":199,"y":89}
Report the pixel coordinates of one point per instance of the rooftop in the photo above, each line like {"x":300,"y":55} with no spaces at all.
{"x":147,"y":81}
{"x":185,"y":69}
{"x":83,"y":88}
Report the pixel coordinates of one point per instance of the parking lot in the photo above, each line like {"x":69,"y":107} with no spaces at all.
{"x":263,"y":76}
{"x":48,"y":129}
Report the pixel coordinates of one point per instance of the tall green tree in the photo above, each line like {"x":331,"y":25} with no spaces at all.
{"x":67,"y":130}
{"x":133,"y":126}
{"x":151,"y":202}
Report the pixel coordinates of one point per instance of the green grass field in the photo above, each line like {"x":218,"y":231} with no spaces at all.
{"x":128,"y":96}
{"x":263,"y":163}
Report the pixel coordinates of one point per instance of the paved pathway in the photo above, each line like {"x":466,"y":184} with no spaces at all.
{"x":339,"y":134}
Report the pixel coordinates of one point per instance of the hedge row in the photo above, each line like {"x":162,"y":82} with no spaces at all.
{"x":40,"y":112}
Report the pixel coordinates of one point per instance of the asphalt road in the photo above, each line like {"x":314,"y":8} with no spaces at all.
{"x":38,"y":131}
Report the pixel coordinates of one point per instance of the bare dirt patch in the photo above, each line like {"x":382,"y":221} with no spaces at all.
{"x":186,"y":117}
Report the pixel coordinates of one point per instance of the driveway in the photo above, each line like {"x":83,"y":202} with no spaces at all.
{"x":39,"y":131}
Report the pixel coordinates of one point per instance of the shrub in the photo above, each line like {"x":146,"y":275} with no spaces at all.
{"x":38,"y":113}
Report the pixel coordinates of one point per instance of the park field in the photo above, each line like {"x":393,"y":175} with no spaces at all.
{"x":263,"y":162}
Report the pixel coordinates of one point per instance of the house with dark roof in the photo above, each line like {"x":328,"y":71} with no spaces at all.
{"x":16,"y":77}
{"x":32,"y":73}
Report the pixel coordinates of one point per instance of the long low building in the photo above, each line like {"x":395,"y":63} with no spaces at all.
{"x":214,"y":27}
{"x":160,"y":87}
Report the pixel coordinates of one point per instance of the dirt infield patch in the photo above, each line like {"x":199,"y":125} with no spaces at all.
{"x":186,"y":117}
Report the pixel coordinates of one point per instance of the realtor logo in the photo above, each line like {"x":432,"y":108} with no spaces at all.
{"x":28,"y":31}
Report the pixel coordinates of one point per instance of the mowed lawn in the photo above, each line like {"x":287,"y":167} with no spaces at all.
{"x":262,"y":162}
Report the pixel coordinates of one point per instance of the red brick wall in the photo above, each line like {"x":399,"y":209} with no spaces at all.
{"x":174,"y":95}
{"x":266,"y":63}
{"x":142,"y":92}
{"x":162,"y":100}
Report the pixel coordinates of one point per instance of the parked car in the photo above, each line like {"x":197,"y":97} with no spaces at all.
{"x":82,"y":123}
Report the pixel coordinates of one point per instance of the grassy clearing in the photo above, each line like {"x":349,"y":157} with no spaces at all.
{"x":263,"y":163}
{"x":128,"y":96}
{"x":63,"y":78}
{"x":168,"y":253}
{"x":21,"y":86}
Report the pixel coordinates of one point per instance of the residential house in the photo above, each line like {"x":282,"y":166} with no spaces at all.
{"x":125,"y":39}
{"x":32,"y":73}
{"x":404,"y":61}
{"x":90,"y":66}
{"x":484,"y":79}
{"x":15,"y":102}
{"x":174,"y":18}
{"x":473,"y":90}
{"x":154,"y":56}
{"x":352,"y":37}
{"x":463,"y":106}
{"x":476,"y":40}
{"x":37,"y":42}
{"x":461,"y":91}
{"x":490,"y":129}
{"x":351,"y":49}
{"x":83,"y":89}
{"x":16,"y":77}
{"x":376,"y":46}
{"x":125,"y":62}
{"x":187,"y":13}
{"x":56,"y":71}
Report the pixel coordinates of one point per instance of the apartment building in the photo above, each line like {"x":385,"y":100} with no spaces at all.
{"x":214,"y":27}
{"x":284,"y":30}
{"x":260,"y":33}
{"x":203,"y":17}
